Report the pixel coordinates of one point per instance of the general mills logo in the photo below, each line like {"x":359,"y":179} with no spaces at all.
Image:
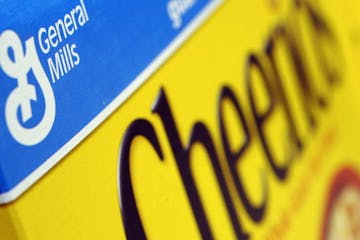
{"x":17,"y":64}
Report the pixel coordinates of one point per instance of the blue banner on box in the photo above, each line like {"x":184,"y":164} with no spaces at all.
{"x":65,"y":66}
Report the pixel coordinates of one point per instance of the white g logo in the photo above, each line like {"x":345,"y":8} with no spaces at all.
{"x":18,"y":68}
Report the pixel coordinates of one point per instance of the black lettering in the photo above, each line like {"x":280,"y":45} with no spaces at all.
{"x":302,"y":72}
{"x":260,"y":118}
{"x":255,"y":212}
{"x":326,"y":43}
{"x":280,"y":35}
{"x":130,"y":214}
{"x":201,"y":135}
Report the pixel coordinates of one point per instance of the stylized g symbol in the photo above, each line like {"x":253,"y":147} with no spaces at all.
{"x":18,"y":68}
